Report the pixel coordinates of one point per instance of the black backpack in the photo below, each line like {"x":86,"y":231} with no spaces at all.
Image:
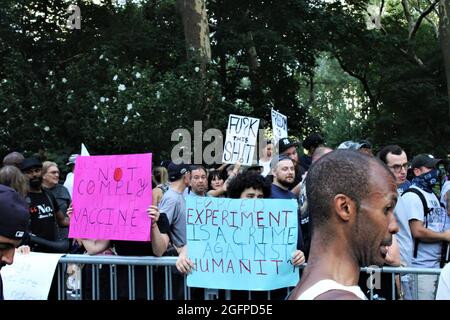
{"x":426,"y":211}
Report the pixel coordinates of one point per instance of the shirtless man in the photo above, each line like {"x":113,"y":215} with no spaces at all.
{"x":351,"y":198}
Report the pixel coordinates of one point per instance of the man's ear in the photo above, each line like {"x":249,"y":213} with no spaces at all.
{"x":344,"y":207}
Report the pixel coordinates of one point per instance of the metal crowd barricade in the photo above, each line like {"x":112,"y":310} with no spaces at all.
{"x":400,"y":271}
{"x":112,"y":262}
{"x":149,"y":262}
{"x":168,"y":263}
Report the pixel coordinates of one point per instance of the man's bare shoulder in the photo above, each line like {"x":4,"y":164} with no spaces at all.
{"x":337,"y":295}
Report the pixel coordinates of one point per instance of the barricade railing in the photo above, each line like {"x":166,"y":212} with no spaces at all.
{"x":174,"y":284}
{"x":397,"y":271}
{"x":171,"y":284}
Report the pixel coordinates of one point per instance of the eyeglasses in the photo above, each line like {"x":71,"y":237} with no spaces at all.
{"x":6,"y":246}
{"x":398,"y":167}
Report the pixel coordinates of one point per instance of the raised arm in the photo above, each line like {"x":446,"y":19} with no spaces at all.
{"x":160,"y":241}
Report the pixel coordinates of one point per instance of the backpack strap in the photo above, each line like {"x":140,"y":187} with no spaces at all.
{"x":426,"y":211}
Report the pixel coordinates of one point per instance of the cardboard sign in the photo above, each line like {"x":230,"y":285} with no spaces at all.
{"x":241,"y":244}
{"x":30,"y":276}
{"x":240,"y":141}
{"x":279,"y":126}
{"x":111,"y":195}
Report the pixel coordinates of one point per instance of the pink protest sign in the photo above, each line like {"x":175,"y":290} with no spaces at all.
{"x":111,"y":195}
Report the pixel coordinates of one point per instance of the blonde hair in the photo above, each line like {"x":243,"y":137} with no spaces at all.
{"x":12,"y":177}
{"x":46,"y":165}
{"x":160,"y":174}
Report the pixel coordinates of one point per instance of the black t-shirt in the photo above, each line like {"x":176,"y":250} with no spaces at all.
{"x":136,"y":248}
{"x":43,"y":208}
{"x":140,"y":248}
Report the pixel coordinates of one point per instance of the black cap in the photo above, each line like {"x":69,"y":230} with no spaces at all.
{"x":286,"y":143}
{"x":313,"y":141}
{"x":30,"y":163}
{"x":176,"y":171}
{"x":14,"y":216}
{"x":424,"y":160}
{"x":365,"y":144}
{"x":165,"y":163}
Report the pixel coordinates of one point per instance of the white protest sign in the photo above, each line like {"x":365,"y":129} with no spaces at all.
{"x":84,"y":151}
{"x":279,"y":126}
{"x":241,"y":140}
{"x":30,"y":276}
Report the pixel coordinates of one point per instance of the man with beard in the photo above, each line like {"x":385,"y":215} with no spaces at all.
{"x":283,"y":172}
{"x":283,"y":175}
{"x":43,"y":208}
{"x":13,"y":226}
{"x":44,"y":214}
{"x":429,"y":229}
{"x":351,"y":200}
{"x":288,"y":148}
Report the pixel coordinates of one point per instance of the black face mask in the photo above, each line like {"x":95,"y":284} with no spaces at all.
{"x":35,"y":183}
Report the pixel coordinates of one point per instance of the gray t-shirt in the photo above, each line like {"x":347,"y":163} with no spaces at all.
{"x":429,"y":253}
{"x":404,"y":237}
{"x":173,"y":205}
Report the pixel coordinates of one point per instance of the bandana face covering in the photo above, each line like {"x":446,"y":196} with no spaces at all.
{"x":427,"y":180}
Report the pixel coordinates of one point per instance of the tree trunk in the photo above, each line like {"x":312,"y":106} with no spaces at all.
{"x":444,"y":37}
{"x":257,"y":96}
{"x":196,"y":31}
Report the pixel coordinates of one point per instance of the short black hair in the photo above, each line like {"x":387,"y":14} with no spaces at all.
{"x":392,"y":148}
{"x":338,"y":172}
{"x":215,"y":173}
{"x":313,"y":141}
{"x":248,"y":179}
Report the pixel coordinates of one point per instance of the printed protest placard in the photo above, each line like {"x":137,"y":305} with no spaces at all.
{"x":241,"y":244}
{"x":279,"y":126}
{"x":111,"y":195}
{"x":30,"y":276}
{"x":240,"y":141}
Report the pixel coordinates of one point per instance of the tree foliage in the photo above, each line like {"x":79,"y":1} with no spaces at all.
{"x":123,"y":82}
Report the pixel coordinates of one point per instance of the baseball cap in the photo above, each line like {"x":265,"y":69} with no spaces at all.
{"x":313,"y":140}
{"x":365,"y":144}
{"x":29,"y":163}
{"x":350,"y":145}
{"x":165,"y":163}
{"x":176,"y":171}
{"x":14,"y":216}
{"x":424,"y":160}
{"x":286,"y":143}
{"x":72,"y":159}
{"x":275,"y":160}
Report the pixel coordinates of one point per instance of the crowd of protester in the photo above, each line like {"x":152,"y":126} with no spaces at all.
{"x":423,"y":218}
